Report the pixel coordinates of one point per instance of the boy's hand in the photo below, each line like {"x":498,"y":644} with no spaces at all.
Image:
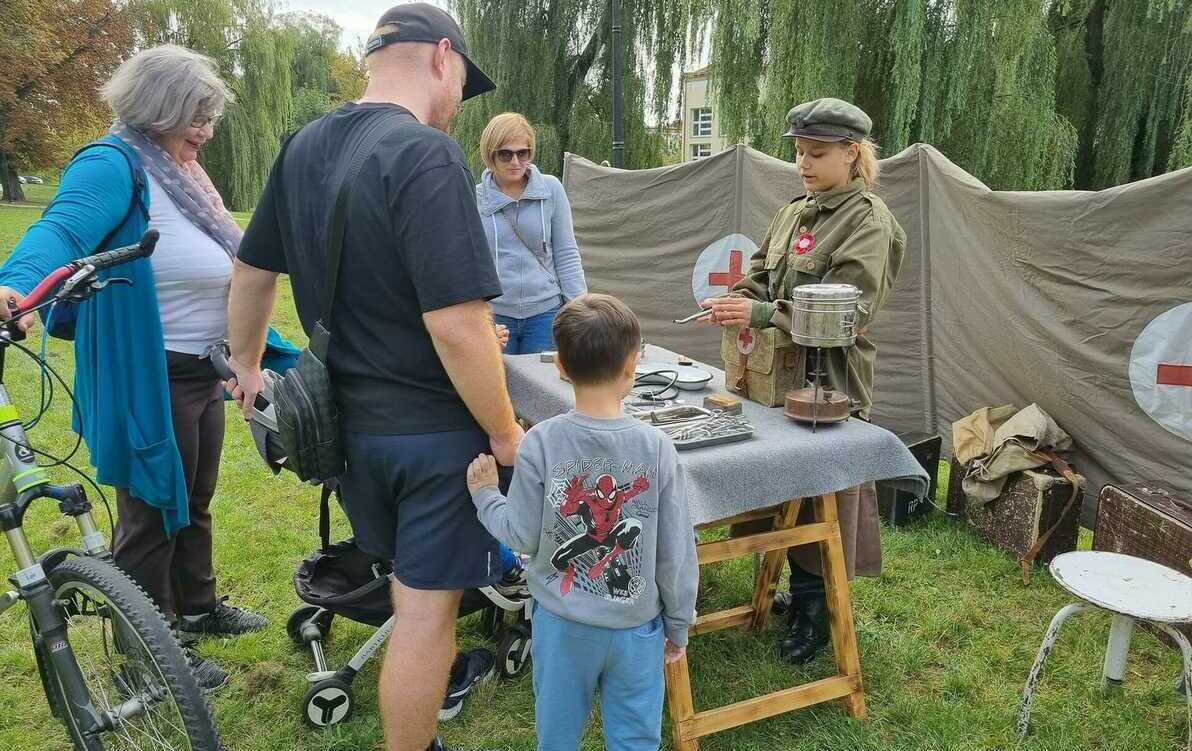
{"x":674,"y":654}
{"x":482,"y":472}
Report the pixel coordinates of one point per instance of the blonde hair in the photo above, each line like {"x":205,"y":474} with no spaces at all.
{"x":500,"y":130}
{"x":866,"y":166}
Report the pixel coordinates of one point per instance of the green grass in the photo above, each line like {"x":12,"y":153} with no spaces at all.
{"x":947,"y":635}
{"x":35,"y":195}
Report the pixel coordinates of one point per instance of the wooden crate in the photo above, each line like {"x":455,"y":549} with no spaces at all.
{"x":1147,"y":521}
{"x":1030,"y":503}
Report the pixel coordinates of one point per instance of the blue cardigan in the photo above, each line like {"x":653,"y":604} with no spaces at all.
{"x":121,"y":381}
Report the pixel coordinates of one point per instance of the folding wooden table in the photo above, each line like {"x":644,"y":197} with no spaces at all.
{"x":690,"y":725}
{"x":784,"y":460}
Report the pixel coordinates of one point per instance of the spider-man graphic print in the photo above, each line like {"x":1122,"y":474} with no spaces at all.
{"x":599,"y":508}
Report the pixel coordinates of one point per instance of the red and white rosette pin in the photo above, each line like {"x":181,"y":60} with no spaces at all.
{"x":804,"y":243}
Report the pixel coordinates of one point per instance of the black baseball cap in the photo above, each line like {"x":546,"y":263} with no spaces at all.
{"x":423,"y":22}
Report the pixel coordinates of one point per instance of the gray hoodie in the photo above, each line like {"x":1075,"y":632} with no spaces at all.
{"x":538,"y":278}
{"x":601,"y":506}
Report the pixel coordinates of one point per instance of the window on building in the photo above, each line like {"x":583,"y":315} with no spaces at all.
{"x":701,"y":121}
{"x":701,"y":150}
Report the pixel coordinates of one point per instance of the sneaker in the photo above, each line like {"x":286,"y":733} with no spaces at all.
{"x":470,"y":669}
{"x":208,"y":674}
{"x":222,"y":620}
{"x":513,"y":585}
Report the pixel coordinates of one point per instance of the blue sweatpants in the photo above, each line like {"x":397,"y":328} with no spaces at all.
{"x":571,"y":661}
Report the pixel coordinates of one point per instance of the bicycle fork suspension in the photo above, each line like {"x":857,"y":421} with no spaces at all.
{"x":50,"y":629}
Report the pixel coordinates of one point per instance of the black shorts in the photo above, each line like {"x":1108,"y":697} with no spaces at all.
{"x":407,"y":499}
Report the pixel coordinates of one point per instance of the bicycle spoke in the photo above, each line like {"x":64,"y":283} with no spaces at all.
{"x":119,"y":670}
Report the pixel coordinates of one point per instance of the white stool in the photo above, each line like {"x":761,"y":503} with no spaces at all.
{"x":1129,"y":588}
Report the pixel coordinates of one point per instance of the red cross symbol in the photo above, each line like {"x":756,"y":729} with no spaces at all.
{"x":1174,"y":375}
{"x":734,"y":274}
{"x":745,"y":341}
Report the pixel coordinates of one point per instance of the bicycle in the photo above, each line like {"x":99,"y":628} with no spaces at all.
{"x":111,"y":669}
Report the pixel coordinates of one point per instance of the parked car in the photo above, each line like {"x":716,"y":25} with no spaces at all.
{"x":31,"y":179}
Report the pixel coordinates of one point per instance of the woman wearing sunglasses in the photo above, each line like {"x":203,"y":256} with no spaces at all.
{"x":527,"y":219}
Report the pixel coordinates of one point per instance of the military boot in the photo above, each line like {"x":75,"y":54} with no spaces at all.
{"x":808,"y":630}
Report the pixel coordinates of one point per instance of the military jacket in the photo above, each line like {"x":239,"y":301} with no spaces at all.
{"x":854,"y":239}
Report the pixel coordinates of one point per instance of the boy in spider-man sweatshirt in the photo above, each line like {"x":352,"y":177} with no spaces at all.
{"x":599,"y":501}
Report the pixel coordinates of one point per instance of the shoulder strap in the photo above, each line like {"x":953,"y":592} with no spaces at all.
{"x":325,"y":513}
{"x":320,"y":335}
{"x":1049,"y":456}
{"x":138,"y":186}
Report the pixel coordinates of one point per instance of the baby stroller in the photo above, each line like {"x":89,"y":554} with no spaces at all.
{"x":341,"y":580}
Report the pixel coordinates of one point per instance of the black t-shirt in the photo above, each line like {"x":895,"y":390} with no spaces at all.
{"x":413,"y":243}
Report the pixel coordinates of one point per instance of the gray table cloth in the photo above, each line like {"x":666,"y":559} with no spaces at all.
{"x":782,"y":460}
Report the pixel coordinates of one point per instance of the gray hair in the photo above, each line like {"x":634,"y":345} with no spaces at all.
{"x":164,"y":89}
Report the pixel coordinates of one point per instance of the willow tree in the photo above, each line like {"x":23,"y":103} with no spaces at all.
{"x":1181,"y":150}
{"x":974,"y":77}
{"x":254,"y":52}
{"x":551,"y":61}
{"x":1125,"y":66}
{"x":322,"y":76}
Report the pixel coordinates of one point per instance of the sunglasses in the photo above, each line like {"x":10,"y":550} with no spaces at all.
{"x":506,"y":155}
{"x":203,"y":121}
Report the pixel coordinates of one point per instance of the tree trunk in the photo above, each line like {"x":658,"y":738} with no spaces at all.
{"x":1086,"y":161}
{"x":565,"y":98}
{"x":13,"y":191}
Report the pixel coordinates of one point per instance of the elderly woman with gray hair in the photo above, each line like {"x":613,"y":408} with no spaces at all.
{"x":149,"y":404}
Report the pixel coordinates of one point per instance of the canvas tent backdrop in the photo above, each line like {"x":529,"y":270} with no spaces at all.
{"x":1079,"y":301}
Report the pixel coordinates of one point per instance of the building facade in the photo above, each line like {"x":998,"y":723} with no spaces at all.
{"x":701,"y":128}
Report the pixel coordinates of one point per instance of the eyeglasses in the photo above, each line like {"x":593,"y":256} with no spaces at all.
{"x":202,"y":121}
{"x":506,"y":155}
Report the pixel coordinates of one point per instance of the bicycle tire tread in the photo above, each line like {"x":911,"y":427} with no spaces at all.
{"x":146,"y":619}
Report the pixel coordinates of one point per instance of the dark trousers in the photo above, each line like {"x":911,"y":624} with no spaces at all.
{"x":178,"y":572}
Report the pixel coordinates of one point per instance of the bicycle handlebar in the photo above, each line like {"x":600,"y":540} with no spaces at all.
{"x":111,"y":258}
{"x":104,"y":260}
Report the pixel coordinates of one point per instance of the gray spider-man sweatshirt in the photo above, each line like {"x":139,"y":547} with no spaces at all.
{"x":601,"y":506}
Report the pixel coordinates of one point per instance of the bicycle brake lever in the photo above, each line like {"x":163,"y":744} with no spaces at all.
{"x":92,"y":287}
{"x":98,"y":285}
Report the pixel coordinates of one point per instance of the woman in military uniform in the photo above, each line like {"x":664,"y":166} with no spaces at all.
{"x":839,"y":233}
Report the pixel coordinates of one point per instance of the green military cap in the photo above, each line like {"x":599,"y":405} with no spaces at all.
{"x":828,"y":119}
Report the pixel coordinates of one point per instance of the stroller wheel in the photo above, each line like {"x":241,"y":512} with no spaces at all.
{"x":299,"y":618}
{"x":327,"y":703}
{"x":514,"y":651}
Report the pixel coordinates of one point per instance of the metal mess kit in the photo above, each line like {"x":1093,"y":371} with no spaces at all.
{"x":825,"y":316}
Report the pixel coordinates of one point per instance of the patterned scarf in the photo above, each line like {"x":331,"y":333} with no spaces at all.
{"x":187,"y":186}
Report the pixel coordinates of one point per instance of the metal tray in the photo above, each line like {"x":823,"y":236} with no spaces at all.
{"x":717,"y":440}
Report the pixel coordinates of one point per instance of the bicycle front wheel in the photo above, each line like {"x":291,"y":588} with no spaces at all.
{"x":134,"y":670}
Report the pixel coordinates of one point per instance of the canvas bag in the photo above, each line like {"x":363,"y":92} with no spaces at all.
{"x":761,"y":365}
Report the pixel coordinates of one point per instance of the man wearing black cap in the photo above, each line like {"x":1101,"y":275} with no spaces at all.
{"x":414,"y":359}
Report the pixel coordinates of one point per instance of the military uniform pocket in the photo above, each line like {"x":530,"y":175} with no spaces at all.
{"x":812,"y":264}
